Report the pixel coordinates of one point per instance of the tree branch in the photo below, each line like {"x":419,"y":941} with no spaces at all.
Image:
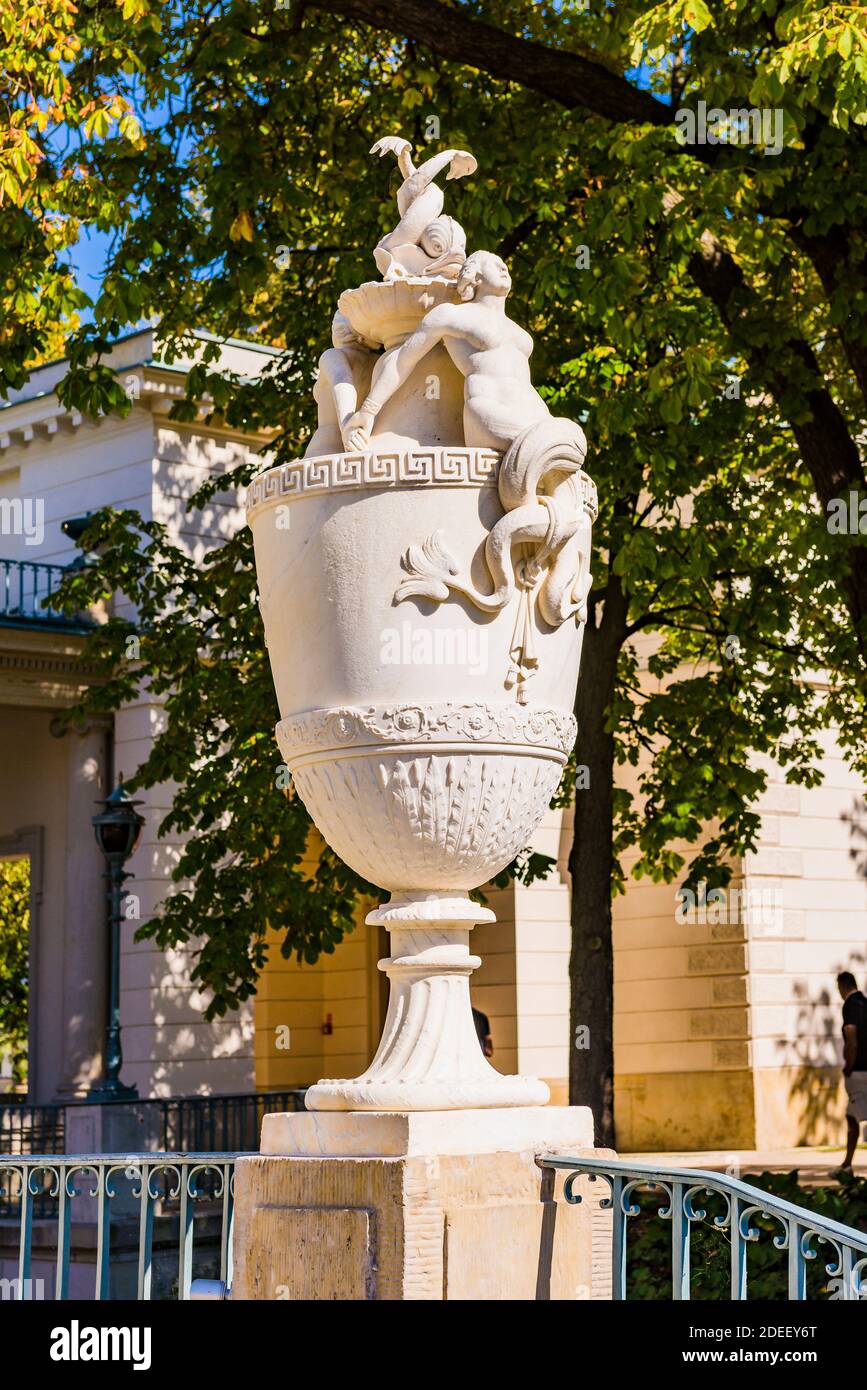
{"x":831,"y":255}
{"x":565,"y":77}
{"x":827,"y":447}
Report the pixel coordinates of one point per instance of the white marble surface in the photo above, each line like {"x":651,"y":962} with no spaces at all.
{"x":423,"y":592}
{"x":537,"y":1129}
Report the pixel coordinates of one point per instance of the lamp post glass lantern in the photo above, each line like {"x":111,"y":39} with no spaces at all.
{"x":117,"y":829}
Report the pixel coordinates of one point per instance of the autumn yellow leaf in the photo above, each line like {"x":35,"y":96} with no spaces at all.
{"x":242,"y":227}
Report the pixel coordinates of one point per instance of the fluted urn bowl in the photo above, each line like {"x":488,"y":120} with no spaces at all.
{"x":425,"y":733}
{"x":420,"y":759}
{"x":412,"y":752}
{"x":432,"y":795}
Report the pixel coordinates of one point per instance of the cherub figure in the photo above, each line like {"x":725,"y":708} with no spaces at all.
{"x":424,"y":242}
{"x":491,"y":351}
{"x":539,"y":478}
{"x":344,"y":378}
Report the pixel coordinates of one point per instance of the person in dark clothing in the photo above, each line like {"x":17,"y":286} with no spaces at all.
{"x":854,"y":1061}
{"x":483,"y":1030}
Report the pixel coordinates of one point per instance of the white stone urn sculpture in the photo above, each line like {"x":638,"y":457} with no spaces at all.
{"x":423,"y":573}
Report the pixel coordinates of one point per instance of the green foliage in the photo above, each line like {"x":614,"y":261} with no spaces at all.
{"x":199,"y":642}
{"x":14,"y":982}
{"x":67,"y":90}
{"x":257,"y":124}
{"x":649,"y":1243}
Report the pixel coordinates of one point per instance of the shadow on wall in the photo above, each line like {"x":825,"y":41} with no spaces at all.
{"x":856,"y":819}
{"x":816,"y":1096}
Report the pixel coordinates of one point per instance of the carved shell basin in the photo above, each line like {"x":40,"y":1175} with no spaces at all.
{"x":388,"y":312}
{"x":427,"y":796}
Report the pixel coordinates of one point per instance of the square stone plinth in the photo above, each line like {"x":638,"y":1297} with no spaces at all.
{"x":428,"y":1205}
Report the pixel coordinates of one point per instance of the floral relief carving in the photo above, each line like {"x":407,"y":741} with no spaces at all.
{"x":533,"y":725}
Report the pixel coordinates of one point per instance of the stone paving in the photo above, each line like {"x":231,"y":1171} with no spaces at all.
{"x":815,"y":1165}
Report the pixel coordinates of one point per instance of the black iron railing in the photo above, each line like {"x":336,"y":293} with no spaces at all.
{"x":220,"y":1124}
{"x":31,"y":1129}
{"x":183,"y":1124}
{"x":24,"y":584}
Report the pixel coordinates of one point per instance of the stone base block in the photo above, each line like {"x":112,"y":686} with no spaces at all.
{"x":450,"y":1205}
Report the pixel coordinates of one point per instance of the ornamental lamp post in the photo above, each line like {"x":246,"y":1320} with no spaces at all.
{"x":117,"y":829}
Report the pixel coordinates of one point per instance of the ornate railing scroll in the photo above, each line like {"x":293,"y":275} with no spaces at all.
{"x":148,"y":1193}
{"x":681,"y":1194}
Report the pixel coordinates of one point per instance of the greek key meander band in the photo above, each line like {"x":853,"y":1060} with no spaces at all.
{"x":533,"y":726}
{"x":431,"y":467}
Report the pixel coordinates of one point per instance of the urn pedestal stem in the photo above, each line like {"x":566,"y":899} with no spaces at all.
{"x":429,"y":1057}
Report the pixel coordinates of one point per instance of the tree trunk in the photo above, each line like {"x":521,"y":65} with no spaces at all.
{"x":591,"y":967}
{"x":826,"y":443}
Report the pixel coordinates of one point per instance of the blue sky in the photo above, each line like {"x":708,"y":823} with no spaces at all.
{"x":88,"y":261}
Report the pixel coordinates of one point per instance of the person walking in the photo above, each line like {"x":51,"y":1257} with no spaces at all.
{"x":854,"y":1063}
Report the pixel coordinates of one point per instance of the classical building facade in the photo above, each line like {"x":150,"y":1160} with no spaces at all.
{"x":56,"y":466}
{"x":726,"y":1017}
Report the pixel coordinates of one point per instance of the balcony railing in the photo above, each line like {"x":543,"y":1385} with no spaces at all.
{"x":735,"y":1211}
{"x":180,"y":1124}
{"x":24,"y":584}
{"x":31,"y":1129}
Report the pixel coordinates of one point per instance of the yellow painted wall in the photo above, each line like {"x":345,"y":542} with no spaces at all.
{"x":799,"y":1105}
{"x":683,"y":1110}
{"x":300,"y":997}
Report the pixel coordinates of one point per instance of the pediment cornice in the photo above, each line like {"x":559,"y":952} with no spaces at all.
{"x":151,"y":388}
